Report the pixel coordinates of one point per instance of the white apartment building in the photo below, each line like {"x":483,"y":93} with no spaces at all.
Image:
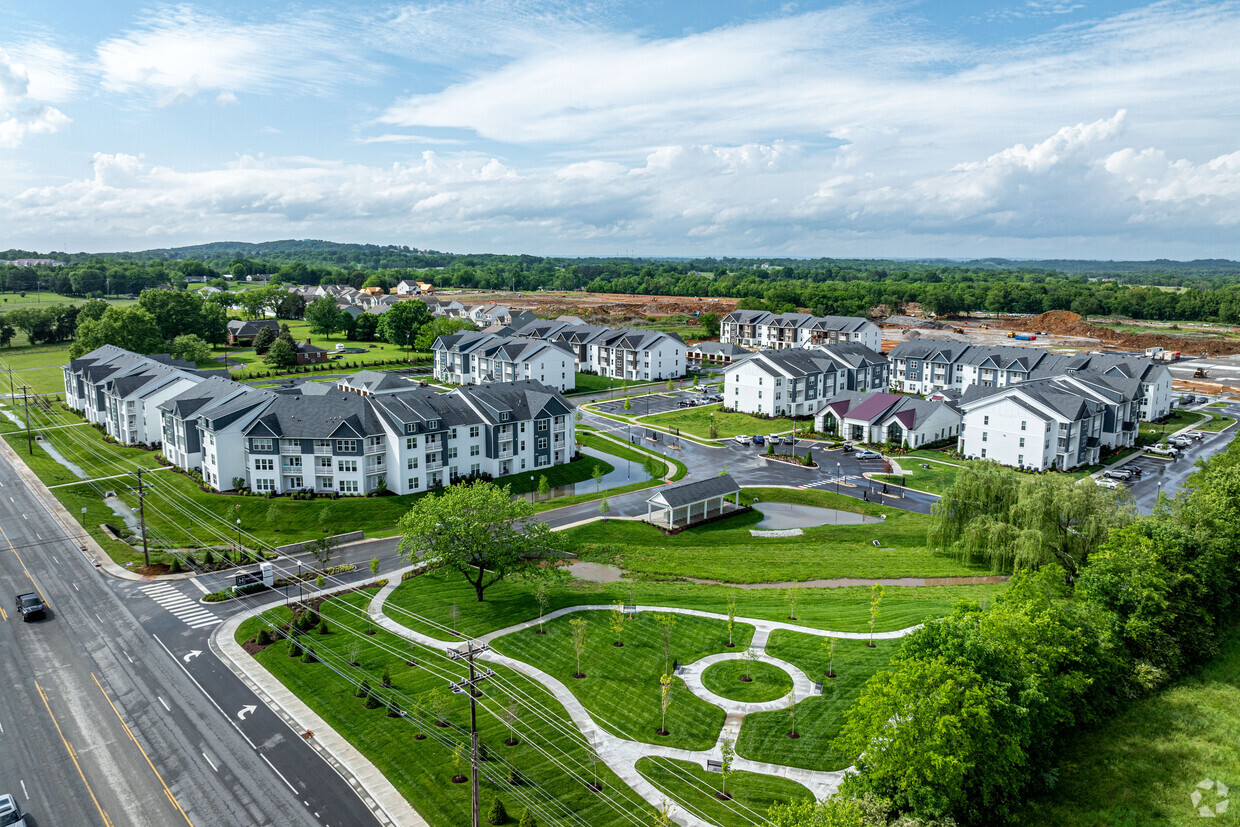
{"x":631,"y":353}
{"x":475,"y":357}
{"x":762,"y":329}
{"x":780,"y":383}
{"x":929,"y":365}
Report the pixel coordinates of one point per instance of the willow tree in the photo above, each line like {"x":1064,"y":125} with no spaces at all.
{"x":1009,"y":520}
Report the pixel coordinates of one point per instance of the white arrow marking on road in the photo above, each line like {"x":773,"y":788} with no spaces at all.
{"x":245,"y":710}
{"x":195,"y":653}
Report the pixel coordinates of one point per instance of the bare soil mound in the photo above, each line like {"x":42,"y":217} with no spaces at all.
{"x":1067,"y":323}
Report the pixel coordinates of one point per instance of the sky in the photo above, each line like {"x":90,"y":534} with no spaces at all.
{"x":1031,"y":128}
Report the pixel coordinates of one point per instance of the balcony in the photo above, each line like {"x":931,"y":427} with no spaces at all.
{"x":434,"y":465}
{"x":506,"y":452}
{"x":290,"y":449}
{"x":376,"y":449}
{"x":322,"y":449}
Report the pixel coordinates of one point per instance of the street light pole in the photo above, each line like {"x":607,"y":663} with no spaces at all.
{"x":837,"y":478}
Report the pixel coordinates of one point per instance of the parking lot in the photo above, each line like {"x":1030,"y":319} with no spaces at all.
{"x":655,"y":403}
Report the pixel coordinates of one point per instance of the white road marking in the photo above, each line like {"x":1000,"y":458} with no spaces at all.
{"x":127,"y":655}
{"x":75,"y":587}
{"x":100,"y":619}
{"x":165,"y":703}
{"x":37,"y":534}
{"x":277,"y":772}
{"x":212,"y":700}
{"x":189,"y":612}
{"x":24,"y":517}
{"x":201,"y":587}
{"x":209,"y":761}
{"x":25,"y":794}
{"x":54,"y":558}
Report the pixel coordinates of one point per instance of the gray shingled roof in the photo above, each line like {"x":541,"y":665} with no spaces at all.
{"x":686,"y":493}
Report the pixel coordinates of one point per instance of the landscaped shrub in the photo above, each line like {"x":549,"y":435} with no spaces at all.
{"x":263,"y":638}
{"x":363,"y":689}
{"x":372,"y":701}
{"x":528,"y":820}
{"x":294,"y":649}
{"x":309,"y":656}
{"x":496,"y":814}
{"x":323,"y":630}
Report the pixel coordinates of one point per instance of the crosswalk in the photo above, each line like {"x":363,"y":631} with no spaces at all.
{"x":187,"y":611}
{"x":827,"y":482}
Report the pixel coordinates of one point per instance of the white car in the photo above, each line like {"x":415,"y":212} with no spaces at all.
{"x":742,"y":439}
{"x":865,"y":454}
{"x":1105,"y":483}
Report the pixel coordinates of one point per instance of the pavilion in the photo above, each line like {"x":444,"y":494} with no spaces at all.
{"x":687,"y":503}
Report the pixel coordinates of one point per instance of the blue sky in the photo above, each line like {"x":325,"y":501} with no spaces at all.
{"x":1026,"y":129}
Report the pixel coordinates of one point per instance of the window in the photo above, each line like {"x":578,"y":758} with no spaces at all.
{"x":1022,"y":442}
{"x":323,"y":463}
{"x":522,"y":427}
{"x":346,"y":446}
{"x":413,"y":482}
{"x":473,"y":431}
{"x":1022,"y":424}
{"x":411,"y":443}
{"x":347,"y":486}
{"x":264,"y":484}
{"x":292,"y":462}
{"x":985,"y":420}
{"x":413,"y":463}
{"x":1020,"y":459}
{"x":374,"y":441}
{"x":432,"y":424}
{"x":542,"y":424}
{"x":452,"y":452}
{"x":984,"y":435}
{"x":290,"y":445}
{"x":983,"y":453}
{"x":346,"y":465}
{"x":260,"y":444}
{"x":542,"y":443}
{"x":411,"y":427}
{"x":475,"y":470}
{"x":453,"y":433}
{"x":294,"y":482}
{"x":473,"y":450}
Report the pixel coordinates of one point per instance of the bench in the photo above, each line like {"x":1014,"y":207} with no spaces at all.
{"x":714,"y":766}
{"x":818,"y":688}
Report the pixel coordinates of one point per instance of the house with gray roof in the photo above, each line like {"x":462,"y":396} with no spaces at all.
{"x":859,"y":367}
{"x":368,"y":382}
{"x":763,"y":329}
{"x":243,"y":331}
{"x":705,"y":354}
{"x":888,"y":418}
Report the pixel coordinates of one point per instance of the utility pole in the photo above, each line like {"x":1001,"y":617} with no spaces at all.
{"x":468,"y":685}
{"x":29,"y":438}
{"x":146,"y":557}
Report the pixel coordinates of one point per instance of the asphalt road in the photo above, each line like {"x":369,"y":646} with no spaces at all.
{"x":1164,"y":475}
{"x":108,"y":718}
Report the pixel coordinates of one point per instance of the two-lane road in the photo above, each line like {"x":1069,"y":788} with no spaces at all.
{"x":106,"y":716}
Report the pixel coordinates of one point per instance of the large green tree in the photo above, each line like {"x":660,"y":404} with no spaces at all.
{"x":400,"y":324}
{"x":131,"y":328}
{"x":481,"y":531}
{"x":436,"y":328}
{"x":325,"y":317}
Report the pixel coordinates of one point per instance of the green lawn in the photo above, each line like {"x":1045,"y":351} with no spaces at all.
{"x":933,"y":479}
{"x":691,"y":788}
{"x":1149,"y":433}
{"x":1217,"y":405}
{"x":621,"y":688}
{"x":726,"y":551}
{"x":1215,"y":423}
{"x":433,"y":595}
{"x":1141,"y":767}
{"x":421,"y":769}
{"x":696,"y":422}
{"x":766,"y":682}
{"x":764,"y":735}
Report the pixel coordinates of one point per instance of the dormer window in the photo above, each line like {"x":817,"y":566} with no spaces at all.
{"x":504,"y":416}
{"x":411,"y":427}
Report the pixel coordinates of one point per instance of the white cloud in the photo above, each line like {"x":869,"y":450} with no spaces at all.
{"x":176,"y":54}
{"x":21,"y":113}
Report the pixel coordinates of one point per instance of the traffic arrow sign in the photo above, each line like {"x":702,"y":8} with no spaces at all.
{"x":195,"y":653}
{"x":245,"y":710}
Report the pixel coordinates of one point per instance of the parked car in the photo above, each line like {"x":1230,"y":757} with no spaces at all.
{"x":758,"y":439}
{"x":1180,"y":442}
{"x":1122,"y":474}
{"x":1105,"y":483}
{"x":11,"y":815}
{"x":743,"y":440}
{"x":1162,"y":451}
{"x":788,"y":440}
{"x":1201,"y":400}
{"x":1195,"y":436}
{"x":866,"y":454}
{"x":847,"y":447}
{"x":30,"y":606}
{"x":684,"y":403}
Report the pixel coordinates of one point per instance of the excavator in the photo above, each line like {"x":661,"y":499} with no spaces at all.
{"x":1200,"y":373}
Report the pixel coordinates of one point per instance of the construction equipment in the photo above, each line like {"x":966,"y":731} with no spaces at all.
{"x":1200,"y":373}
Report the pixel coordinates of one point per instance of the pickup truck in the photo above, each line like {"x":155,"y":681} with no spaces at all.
{"x":30,"y":605}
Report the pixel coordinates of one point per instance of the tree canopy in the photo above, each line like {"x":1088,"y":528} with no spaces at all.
{"x":482,"y":532}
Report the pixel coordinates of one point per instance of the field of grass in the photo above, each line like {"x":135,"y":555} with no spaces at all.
{"x":726,"y":551}
{"x":1217,"y":405}
{"x":1215,"y":423}
{"x":1150,"y":433}
{"x":422,"y":769}
{"x":432,"y":596}
{"x":621,"y":689}
{"x":933,"y":479}
{"x":1141,"y":767}
{"x":692,"y":788}
{"x":764,"y":735}
{"x":696,"y":422}
{"x":766,"y":682}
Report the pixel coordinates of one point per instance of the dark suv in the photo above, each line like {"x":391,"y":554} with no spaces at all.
{"x":30,"y":606}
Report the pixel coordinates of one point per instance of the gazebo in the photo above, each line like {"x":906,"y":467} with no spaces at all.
{"x":687,"y":503}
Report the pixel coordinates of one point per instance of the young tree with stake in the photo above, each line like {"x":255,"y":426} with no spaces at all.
{"x":665,"y":700}
{"x":604,"y":508}
{"x":727,"y":751}
{"x":749,"y":657}
{"x":617,"y":621}
{"x":510,"y":718}
{"x":666,"y":621}
{"x":542,"y":595}
{"x":597,"y":476}
{"x":578,"y":625}
{"x":829,"y":642}
{"x":792,"y":711}
{"x":731,"y":619}
{"x":793,"y":594}
{"x":876,"y":596}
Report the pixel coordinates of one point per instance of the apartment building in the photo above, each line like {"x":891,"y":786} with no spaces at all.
{"x":762,"y":329}
{"x":473,"y":357}
{"x":780,"y":382}
{"x":859,"y":367}
{"x":632,"y":353}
